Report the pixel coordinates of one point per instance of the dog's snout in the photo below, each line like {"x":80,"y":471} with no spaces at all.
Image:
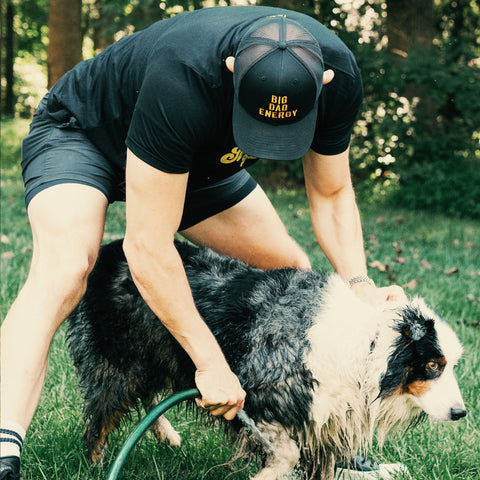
{"x":457,"y":413}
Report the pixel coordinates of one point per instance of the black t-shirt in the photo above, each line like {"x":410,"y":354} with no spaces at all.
{"x":166,"y":93}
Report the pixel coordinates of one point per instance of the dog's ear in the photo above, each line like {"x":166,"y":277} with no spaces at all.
{"x":412,"y":328}
{"x":412,"y":325}
{"x":414,"y":332}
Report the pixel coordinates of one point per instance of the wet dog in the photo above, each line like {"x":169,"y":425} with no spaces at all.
{"x":322,"y":370}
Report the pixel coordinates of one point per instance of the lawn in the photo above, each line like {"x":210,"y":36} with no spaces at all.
{"x":433,"y":256}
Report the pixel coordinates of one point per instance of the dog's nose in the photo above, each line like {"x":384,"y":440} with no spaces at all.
{"x":457,"y":413}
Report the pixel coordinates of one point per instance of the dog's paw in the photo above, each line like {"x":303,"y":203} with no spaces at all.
{"x":96,"y":454}
{"x":165,"y":433}
{"x":174,"y":439}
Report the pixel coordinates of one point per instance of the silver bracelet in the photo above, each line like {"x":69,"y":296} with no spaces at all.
{"x":360,"y":279}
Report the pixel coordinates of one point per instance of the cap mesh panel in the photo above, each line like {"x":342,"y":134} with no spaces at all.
{"x":271,"y":30}
{"x":251,"y":55}
{"x":296,"y":33}
{"x":311,"y":60}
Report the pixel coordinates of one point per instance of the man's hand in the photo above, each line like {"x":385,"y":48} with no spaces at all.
{"x":383,"y":297}
{"x":221,"y":391}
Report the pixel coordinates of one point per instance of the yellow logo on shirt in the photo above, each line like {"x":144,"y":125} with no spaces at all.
{"x":236,"y":155}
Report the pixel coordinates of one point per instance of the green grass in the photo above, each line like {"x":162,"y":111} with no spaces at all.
{"x":432,"y":451}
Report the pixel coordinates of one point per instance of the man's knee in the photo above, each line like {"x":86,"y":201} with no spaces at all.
{"x":75,"y":273}
{"x":281,"y":254}
{"x":63,"y":274}
{"x":300,"y":260}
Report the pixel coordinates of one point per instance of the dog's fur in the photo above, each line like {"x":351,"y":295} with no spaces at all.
{"x":322,"y":369}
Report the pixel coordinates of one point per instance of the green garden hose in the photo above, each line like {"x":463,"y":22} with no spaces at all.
{"x":248,"y":424}
{"x":143,"y":426}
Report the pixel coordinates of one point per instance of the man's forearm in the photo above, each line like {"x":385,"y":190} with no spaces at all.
{"x":164,"y":287}
{"x":337,"y":227}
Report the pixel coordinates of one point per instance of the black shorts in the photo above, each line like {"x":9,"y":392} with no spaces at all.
{"x":55,"y":153}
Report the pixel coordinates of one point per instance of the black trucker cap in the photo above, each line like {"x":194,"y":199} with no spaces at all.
{"x":278,"y":77}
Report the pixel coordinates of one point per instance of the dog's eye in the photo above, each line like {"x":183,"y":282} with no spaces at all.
{"x":432,"y":365}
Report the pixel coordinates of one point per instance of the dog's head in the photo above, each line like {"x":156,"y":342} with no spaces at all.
{"x":421,"y":364}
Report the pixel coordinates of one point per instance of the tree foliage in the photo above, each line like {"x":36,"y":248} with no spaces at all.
{"x":418,"y":137}
{"x":417,"y":140}
{"x":28,"y":45}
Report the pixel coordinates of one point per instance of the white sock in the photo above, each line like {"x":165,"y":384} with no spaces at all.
{"x":11,"y":439}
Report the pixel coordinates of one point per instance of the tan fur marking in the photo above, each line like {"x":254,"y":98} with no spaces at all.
{"x":419,"y":387}
{"x":96,"y":446}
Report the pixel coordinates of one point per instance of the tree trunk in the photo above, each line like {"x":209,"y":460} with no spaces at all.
{"x":65,"y":37}
{"x":409,"y":22}
{"x":9,"y":99}
{"x":102,"y":37}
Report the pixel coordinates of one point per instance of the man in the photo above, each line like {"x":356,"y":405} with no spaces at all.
{"x":170,"y":117}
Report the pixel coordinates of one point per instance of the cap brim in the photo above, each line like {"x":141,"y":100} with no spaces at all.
{"x":273,"y":142}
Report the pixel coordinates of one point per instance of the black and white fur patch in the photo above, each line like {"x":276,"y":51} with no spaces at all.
{"x":322,"y":370}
